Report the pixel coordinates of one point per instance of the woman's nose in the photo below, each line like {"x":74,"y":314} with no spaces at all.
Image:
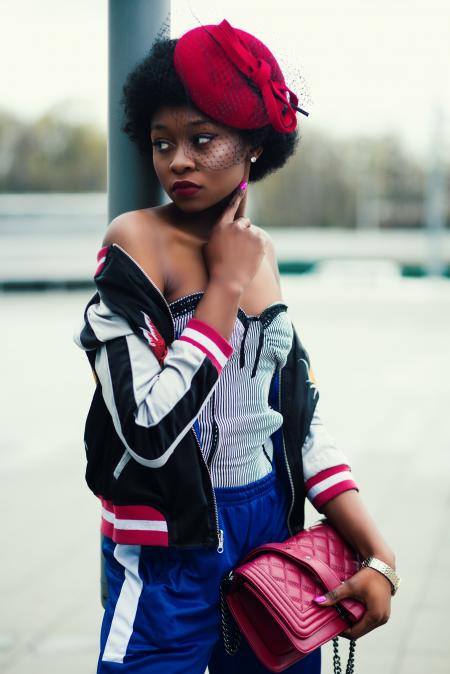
{"x":181,"y":159}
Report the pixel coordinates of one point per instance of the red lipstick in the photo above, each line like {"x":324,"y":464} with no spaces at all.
{"x":185,"y":188}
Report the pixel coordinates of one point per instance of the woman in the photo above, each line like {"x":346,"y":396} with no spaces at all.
{"x":203,"y":437}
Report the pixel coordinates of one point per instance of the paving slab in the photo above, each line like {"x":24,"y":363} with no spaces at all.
{"x":381,"y":357}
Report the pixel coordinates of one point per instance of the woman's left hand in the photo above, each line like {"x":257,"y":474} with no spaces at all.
{"x":372,"y":589}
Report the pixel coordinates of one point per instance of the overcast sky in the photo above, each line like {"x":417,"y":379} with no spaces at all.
{"x":371,"y":66}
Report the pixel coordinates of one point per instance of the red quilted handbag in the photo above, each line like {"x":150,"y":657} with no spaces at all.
{"x":270,"y":596}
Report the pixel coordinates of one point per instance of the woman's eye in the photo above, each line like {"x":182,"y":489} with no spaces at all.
{"x":158,"y":143}
{"x":203,"y":139}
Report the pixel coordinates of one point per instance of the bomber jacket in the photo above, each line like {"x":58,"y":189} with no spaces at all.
{"x":144,"y":460}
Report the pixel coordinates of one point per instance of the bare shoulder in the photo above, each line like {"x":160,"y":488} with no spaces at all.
{"x":138,"y":233}
{"x":270,"y":252}
{"x":125,"y":228}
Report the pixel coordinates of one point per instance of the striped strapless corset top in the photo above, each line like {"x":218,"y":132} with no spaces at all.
{"x":236,"y":422}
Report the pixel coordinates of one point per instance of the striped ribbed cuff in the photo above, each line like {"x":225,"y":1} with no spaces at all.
{"x":133,"y":524}
{"x":329,"y":483}
{"x":208,"y":340}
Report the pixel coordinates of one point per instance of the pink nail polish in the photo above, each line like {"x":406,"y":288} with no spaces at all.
{"x":320,"y":599}
{"x":243,"y":185}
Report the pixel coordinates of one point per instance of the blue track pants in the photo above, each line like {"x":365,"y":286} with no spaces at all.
{"x":163,"y":615}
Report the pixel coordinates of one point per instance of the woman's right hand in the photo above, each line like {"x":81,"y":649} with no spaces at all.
{"x":235,"y":248}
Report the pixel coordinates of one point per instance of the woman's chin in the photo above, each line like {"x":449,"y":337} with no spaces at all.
{"x":193,"y":205}
{"x":189,"y":206}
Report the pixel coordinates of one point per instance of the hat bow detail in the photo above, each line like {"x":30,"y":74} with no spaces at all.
{"x":280,"y":102}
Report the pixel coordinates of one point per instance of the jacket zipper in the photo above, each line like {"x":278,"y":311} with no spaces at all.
{"x":214,"y":447}
{"x":286,"y":460}
{"x":152,"y":282}
{"x":219,"y":532}
{"x":215,"y":433}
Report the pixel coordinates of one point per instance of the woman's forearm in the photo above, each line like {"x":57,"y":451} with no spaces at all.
{"x":349,"y":516}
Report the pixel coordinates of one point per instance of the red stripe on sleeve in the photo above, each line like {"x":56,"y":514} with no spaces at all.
{"x":324,"y":474}
{"x":332,"y":492}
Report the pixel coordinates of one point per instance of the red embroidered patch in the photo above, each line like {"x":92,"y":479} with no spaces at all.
{"x":154,"y":339}
{"x":101,"y":257}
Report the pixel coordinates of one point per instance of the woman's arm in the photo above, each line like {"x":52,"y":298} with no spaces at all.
{"x":153,"y":391}
{"x":348,"y":514}
{"x":219,"y":306}
{"x":152,"y":406}
{"x":331,"y":489}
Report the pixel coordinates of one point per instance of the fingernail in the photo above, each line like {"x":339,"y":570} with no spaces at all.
{"x":243,"y":185}
{"x":320,"y":599}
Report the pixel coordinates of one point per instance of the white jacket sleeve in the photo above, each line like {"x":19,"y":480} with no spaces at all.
{"x":153,"y":401}
{"x":326,"y":469}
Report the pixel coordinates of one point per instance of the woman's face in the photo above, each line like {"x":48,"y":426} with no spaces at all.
{"x":189,"y":146}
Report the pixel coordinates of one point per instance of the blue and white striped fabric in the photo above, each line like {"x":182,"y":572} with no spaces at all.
{"x":235,"y":425}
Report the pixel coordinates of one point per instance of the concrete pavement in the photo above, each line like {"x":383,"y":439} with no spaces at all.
{"x":381,"y":358}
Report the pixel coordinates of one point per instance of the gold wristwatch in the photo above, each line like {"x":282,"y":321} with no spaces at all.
{"x":385,"y":569}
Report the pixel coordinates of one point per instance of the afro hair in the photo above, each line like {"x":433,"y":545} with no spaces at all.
{"x":154,"y":83}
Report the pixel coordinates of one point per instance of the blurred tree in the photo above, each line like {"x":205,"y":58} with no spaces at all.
{"x":11,"y":130}
{"x":363,"y":182}
{"x":311,"y":190}
{"x":390,"y":184}
{"x":51,"y":155}
{"x":352,"y":182}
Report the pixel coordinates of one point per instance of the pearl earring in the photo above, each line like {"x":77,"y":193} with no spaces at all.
{"x":253,"y":159}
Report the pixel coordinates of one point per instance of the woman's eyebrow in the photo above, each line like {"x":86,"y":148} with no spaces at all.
{"x":198,"y":122}
{"x":195,"y":122}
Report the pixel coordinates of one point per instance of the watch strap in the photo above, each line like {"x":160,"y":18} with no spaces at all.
{"x":385,"y":569}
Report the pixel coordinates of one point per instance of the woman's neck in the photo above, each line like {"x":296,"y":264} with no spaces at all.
{"x":200,"y":223}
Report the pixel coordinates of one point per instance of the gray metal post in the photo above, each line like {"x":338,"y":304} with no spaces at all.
{"x":132,"y":27}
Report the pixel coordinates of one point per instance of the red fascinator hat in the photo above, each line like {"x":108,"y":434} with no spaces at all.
{"x":234,"y":78}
